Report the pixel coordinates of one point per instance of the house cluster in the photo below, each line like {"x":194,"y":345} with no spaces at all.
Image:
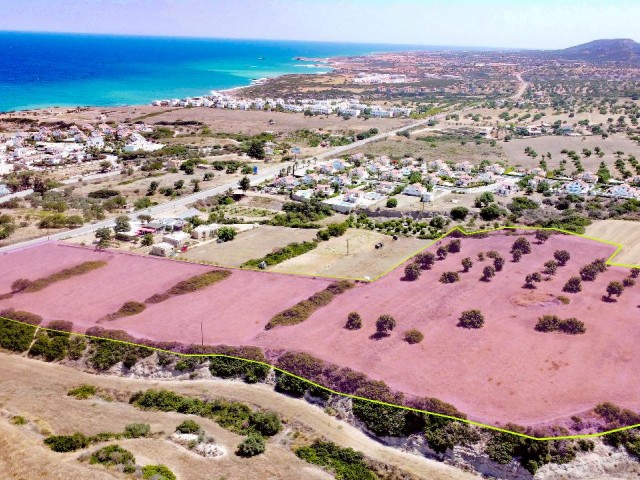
{"x":377,"y":78}
{"x":44,"y":147}
{"x":358,"y":181}
{"x":351,"y":107}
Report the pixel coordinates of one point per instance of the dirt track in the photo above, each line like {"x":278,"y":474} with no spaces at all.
{"x":37,"y":390}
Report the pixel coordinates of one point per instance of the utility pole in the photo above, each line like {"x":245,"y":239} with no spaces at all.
{"x":202,"y":333}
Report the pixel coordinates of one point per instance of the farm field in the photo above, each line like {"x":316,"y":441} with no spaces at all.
{"x":505,"y":371}
{"x":622,"y":232}
{"x":330,"y":259}
{"x":250,"y":244}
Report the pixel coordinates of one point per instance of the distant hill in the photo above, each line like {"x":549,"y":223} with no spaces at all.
{"x":612,"y":50}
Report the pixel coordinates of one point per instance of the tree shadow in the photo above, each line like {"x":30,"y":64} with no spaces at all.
{"x":378,"y":336}
{"x":607,"y":299}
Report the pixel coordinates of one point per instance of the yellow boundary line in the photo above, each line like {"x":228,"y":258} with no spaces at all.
{"x":329,"y":390}
{"x":618,"y":246}
{"x":355,"y":397}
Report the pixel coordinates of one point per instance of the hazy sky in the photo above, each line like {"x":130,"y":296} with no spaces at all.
{"x":489,"y":23}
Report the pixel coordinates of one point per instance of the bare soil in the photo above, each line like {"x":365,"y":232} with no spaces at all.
{"x":622,"y":232}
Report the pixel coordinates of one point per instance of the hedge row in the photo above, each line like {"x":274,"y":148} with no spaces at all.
{"x":304,"y":309}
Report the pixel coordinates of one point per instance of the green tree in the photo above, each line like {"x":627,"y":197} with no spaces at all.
{"x":392,"y":202}
{"x":614,"y":288}
{"x":354,"y":321}
{"x":147,"y":240}
{"x":253,"y":445}
{"x":484,"y":200}
{"x":459,"y":213}
{"x":122,"y":224}
{"x":412,"y":271}
{"x":467,"y":263}
{"x":385,"y":324}
{"x":245,"y":183}
{"x":488,"y":272}
{"x":103,"y":235}
{"x":153,"y":186}
{"x":562,"y":256}
{"x":226,"y":234}
{"x":256,"y":150}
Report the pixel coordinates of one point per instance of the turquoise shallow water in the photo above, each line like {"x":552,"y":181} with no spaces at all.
{"x":44,"y":70}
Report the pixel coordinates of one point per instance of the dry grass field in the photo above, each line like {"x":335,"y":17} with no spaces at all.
{"x":219,"y":120}
{"x":554,"y":144}
{"x":623,"y":232}
{"x":38,"y":391}
{"x":446,"y":150}
{"x":330,"y":258}
{"x":253,"y":243}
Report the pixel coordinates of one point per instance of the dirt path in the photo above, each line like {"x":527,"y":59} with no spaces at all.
{"x":30,"y":386}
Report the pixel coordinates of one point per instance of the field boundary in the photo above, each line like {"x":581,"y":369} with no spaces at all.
{"x":329,"y":390}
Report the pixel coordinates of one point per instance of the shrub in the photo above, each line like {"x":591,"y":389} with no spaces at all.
{"x":471,"y":319}
{"x":225,"y":367}
{"x":442,"y":252}
{"x":517,"y":256}
{"x":51,"y":346}
{"x":128,"y":309}
{"x":385,"y":324}
{"x":572,"y":326}
{"x":291,"y":385}
{"x":253,"y":445}
{"x":18,"y":420}
{"x":551,"y":323}
{"x":15,"y":336}
{"x":589,"y":273}
{"x":114,"y":455}
{"x":426,"y":260}
{"x":382,"y":420}
{"x":412,"y":271}
{"x":392,"y":202}
{"x":81,"y":269}
{"x":226,"y":234}
{"x":67,"y":443}
{"x":550,"y":267}
{"x":198,"y":282}
{"x":628,"y":282}
{"x":615,"y":288}
{"x":548,"y":323}
{"x":488,"y":272}
{"x":60,"y":326}
{"x":522,"y":245}
{"x":542,"y":235}
{"x":267,"y":424}
{"x":565,"y":300}
{"x":498,"y":263}
{"x":573,"y":285}
{"x":290,"y":251}
{"x":413,"y":336}
{"x":20,"y":285}
{"x":635,"y":272}
{"x":82,"y":392}
{"x":354,"y":321}
{"x":459,"y":213}
{"x":531,"y":279}
{"x":137,"y":430}
{"x":449,"y":277}
{"x":157,"y":472}
{"x":467,"y":263}
{"x":344,"y":463}
{"x":562,"y":256}
{"x":304,"y":309}
{"x":189,"y":426}
{"x":21,"y":316}
{"x":454,"y":246}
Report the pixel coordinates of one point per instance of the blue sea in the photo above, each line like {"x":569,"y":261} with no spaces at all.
{"x":46,"y":70}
